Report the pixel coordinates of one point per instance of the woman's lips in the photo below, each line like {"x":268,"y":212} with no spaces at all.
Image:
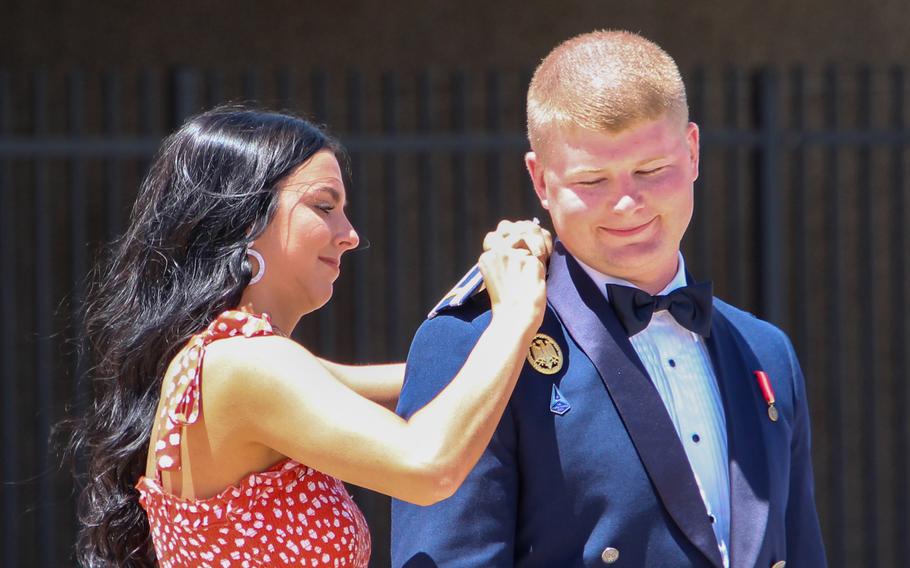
{"x":630,"y":232}
{"x":333,"y":262}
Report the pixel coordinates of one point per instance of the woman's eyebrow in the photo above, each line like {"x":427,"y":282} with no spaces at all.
{"x":322,"y":184}
{"x":336,"y":195}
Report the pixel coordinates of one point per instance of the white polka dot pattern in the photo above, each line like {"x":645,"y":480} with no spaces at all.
{"x":288,"y":515}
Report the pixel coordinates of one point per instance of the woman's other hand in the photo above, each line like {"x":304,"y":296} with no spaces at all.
{"x":527,"y":235}
{"x":515,"y":281}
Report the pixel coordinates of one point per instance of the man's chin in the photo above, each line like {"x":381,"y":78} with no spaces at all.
{"x":631,"y":258}
{"x":632,"y":265}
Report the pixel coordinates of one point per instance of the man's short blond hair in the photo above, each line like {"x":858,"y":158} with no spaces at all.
{"x":604,"y":81}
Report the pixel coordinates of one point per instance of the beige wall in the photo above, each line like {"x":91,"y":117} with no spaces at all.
{"x":410,"y":33}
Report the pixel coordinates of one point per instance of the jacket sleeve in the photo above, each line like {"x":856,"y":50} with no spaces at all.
{"x":804,"y":539}
{"x":476,"y":526}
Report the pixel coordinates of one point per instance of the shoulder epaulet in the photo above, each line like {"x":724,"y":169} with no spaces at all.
{"x":471,"y":283}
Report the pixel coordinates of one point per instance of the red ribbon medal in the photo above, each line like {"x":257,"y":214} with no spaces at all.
{"x":764,"y":383}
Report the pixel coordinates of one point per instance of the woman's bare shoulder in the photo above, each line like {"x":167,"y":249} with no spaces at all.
{"x":239,"y":365}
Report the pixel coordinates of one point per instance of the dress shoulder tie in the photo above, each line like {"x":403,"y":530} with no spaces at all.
{"x":183,"y":395}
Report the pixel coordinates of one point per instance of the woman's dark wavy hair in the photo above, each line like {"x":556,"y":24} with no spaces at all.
{"x":181,"y":262}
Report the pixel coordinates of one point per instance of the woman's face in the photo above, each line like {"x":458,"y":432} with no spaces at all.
{"x":303,"y":244}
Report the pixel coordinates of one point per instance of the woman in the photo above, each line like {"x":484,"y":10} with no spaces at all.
{"x":237,"y":232}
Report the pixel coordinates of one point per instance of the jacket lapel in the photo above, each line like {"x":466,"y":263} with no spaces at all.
{"x":591,"y":322}
{"x":734,"y":364}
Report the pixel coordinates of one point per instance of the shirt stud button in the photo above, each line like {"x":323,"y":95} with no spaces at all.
{"x":712,"y":518}
{"x":609,"y":555}
{"x":672,"y":362}
{"x":696,"y":438}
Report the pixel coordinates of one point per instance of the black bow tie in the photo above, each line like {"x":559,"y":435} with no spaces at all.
{"x":689,"y":305}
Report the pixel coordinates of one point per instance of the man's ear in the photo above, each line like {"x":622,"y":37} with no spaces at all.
{"x":692,"y":141}
{"x":536,"y":170}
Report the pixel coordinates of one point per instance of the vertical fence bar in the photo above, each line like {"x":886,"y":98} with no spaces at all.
{"x":214,"y":82}
{"x":75,"y":126}
{"x":493,"y":159}
{"x":43,"y":330}
{"x":249,"y":88}
{"x":701,"y":227}
{"x":185,"y":96}
{"x":319,"y":98}
{"x":460,"y":224}
{"x":734,"y":182}
{"x":798,"y":220}
{"x":319,"y":110}
{"x":12,"y":536}
{"x":150,"y":114}
{"x":868,"y":338}
{"x":360,"y":260}
{"x":428,"y":220}
{"x":285,"y":83}
{"x":78,"y":242}
{"x":149,"y":104}
{"x":112,"y":167}
{"x":769,"y":198}
{"x":837,"y":463}
{"x":374,"y":507}
{"x":392,"y":192}
{"x":900,"y":337}
{"x":530,"y":203}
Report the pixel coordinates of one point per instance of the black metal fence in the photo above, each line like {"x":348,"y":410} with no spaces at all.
{"x":801,"y":217}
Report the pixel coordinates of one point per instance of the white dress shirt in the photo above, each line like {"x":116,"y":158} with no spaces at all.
{"x":680,"y":367}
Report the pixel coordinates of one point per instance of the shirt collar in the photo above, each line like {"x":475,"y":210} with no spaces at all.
{"x":601,"y":279}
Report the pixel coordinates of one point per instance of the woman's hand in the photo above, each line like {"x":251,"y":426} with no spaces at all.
{"x":513,"y":267}
{"x":516,"y":284}
{"x":528,"y":235}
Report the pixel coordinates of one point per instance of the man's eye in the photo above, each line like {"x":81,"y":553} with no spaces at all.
{"x":653,"y":170}
{"x":591,"y":181}
{"x":325,"y":207}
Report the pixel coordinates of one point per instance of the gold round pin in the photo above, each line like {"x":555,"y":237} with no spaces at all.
{"x":545,"y":355}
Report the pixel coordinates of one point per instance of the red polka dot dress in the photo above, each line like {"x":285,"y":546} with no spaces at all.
{"x":287,"y":515}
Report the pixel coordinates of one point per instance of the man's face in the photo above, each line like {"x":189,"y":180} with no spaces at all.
{"x":621,"y":202}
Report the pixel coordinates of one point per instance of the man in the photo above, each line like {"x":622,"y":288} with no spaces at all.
{"x":653,"y":425}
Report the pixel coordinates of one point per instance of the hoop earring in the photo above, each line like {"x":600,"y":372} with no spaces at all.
{"x":261,"y":261}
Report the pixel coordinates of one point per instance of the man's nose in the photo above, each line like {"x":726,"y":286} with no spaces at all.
{"x":626,"y":196}
{"x":625,"y":204}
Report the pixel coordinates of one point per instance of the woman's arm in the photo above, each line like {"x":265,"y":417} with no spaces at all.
{"x":282,"y":397}
{"x":380,"y":383}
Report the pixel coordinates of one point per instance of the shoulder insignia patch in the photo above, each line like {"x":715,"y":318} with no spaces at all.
{"x":470,"y":284}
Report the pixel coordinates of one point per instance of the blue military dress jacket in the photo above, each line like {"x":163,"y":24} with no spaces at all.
{"x":608,"y":481}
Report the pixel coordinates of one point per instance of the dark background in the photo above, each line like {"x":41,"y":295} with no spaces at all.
{"x":801,"y":211}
